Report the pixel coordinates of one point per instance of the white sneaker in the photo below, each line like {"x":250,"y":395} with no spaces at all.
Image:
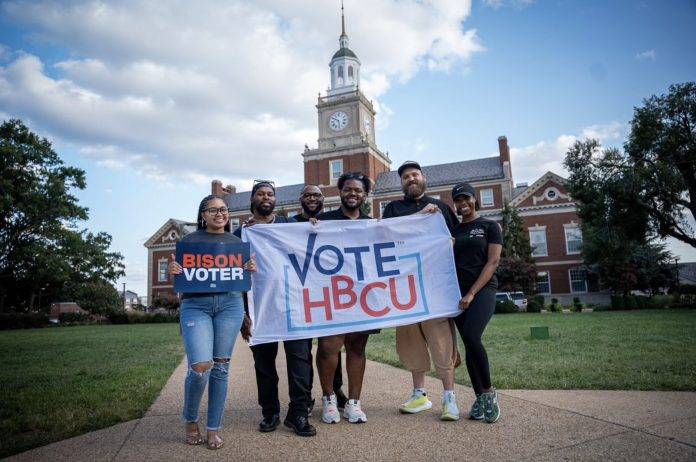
{"x":329,"y":412}
{"x":353,"y":413}
{"x":450,"y":411}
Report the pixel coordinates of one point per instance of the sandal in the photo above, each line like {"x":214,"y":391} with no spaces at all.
{"x":194,"y":437}
{"x":214,"y":441}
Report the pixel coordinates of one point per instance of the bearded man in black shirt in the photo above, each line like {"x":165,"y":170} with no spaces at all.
{"x":433,"y":339}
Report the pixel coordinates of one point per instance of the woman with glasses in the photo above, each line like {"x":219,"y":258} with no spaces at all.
{"x":210,"y":323}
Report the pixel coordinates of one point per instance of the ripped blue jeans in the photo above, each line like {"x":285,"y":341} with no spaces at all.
{"x":209,"y":327}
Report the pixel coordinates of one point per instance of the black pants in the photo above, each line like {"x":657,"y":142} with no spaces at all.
{"x":338,"y":375}
{"x":298,"y":354}
{"x":471,"y":324}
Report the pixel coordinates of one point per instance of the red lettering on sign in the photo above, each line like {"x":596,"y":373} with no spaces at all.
{"x":325,"y":303}
{"x":189,"y":260}
{"x":411,"y":293}
{"x":363,"y":300}
{"x":347,"y":291}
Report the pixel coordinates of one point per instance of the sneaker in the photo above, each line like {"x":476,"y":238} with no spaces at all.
{"x":329,"y":413}
{"x":450,"y":411}
{"x":491,"y":410}
{"x":416,"y":404}
{"x":353,"y":412}
{"x":476,"y":412}
{"x":310,"y":408}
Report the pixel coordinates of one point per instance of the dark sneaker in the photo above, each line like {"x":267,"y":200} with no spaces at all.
{"x":491,"y":410}
{"x":341,"y":399}
{"x":310,"y":408}
{"x":268,"y":424}
{"x":476,"y":412}
{"x":300,"y":425}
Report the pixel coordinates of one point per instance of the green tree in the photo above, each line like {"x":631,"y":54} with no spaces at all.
{"x":617,"y":241}
{"x":516,"y":271}
{"x":661,"y":151}
{"x":41,"y":247}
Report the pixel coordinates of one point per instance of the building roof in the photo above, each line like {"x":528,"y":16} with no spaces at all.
{"x":518,"y":190}
{"x":488,"y":168}
{"x":285,"y":195}
{"x":344,"y":52}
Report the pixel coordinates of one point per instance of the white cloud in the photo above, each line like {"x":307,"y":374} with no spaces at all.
{"x":222,"y":90}
{"x":530,"y":162}
{"x":648,"y":55}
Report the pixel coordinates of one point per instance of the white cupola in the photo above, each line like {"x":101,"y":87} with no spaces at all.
{"x":344,"y":65}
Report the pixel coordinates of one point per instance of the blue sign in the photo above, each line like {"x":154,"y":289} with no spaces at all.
{"x":212,"y":267}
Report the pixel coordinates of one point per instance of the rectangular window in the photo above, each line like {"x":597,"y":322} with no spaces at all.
{"x":573,"y":237}
{"x":487,"y":198}
{"x":543,"y":282}
{"x":537,"y":237}
{"x":163,"y":271}
{"x":578,"y":280}
{"x":336,"y":170}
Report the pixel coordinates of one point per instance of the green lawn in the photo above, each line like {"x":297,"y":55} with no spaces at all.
{"x":64,"y":381}
{"x":628,"y":350}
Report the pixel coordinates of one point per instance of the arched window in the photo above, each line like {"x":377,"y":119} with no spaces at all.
{"x":339,"y":76}
{"x":350,"y":73}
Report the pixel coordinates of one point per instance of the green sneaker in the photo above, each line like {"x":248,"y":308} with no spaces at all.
{"x":450,"y":411}
{"x":491,"y":410}
{"x":476,"y":412}
{"x":416,"y":404}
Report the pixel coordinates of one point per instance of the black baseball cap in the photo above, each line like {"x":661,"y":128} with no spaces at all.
{"x":463,"y":189}
{"x":409,"y":164}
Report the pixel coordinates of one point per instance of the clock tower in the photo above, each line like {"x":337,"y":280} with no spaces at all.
{"x":346,"y":126}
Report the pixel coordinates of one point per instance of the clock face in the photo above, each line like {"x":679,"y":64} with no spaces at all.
{"x":338,"y":121}
{"x":368,"y":126}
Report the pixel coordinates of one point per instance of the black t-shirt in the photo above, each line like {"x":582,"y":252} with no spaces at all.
{"x":408,"y":206}
{"x":202,"y":235}
{"x":339,"y":215}
{"x":300,"y":218}
{"x":471,"y":250}
{"x":278,"y":219}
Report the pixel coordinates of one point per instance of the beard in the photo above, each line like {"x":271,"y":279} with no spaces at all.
{"x":347,"y":206}
{"x":311,"y":213}
{"x":264,"y":210}
{"x":414,"y":190}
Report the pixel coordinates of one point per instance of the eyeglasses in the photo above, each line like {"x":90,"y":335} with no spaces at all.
{"x":215,"y":210}
{"x":312,"y":196}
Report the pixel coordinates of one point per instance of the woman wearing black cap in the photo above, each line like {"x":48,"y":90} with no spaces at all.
{"x":478,"y":243}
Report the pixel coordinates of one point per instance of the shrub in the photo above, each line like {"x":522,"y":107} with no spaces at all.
{"x":117,"y":317}
{"x":533,"y":306}
{"x":22,"y":320}
{"x":540,"y":300}
{"x":505,"y":306}
{"x":630,"y":302}
{"x":577,"y":305}
{"x":74,"y":318}
{"x":601,"y":308}
{"x":554,"y":306}
{"x":617,"y":302}
{"x":641,"y":302}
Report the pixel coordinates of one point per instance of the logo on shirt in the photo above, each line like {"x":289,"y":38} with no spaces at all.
{"x":477,"y":232}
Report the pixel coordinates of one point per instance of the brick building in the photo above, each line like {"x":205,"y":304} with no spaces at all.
{"x":347,"y":143}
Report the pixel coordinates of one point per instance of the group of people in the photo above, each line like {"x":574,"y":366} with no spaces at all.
{"x":210,"y":321}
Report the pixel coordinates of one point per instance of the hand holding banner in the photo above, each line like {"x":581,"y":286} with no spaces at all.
{"x":350,"y":275}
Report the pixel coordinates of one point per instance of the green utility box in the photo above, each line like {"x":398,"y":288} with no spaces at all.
{"x":540,"y":332}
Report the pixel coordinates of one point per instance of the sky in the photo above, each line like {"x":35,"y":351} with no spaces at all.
{"x":154,"y":100}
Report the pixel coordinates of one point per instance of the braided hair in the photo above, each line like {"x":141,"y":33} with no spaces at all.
{"x":200,"y":222}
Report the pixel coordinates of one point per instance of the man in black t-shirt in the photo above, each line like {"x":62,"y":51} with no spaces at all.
{"x":298,"y":353}
{"x":353,"y":189}
{"x":433,"y":339}
{"x":312,"y":202}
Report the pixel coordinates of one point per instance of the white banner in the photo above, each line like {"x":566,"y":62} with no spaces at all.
{"x":349,"y":276}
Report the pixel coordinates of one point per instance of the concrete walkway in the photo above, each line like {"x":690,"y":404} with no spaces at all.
{"x":535,"y":425}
